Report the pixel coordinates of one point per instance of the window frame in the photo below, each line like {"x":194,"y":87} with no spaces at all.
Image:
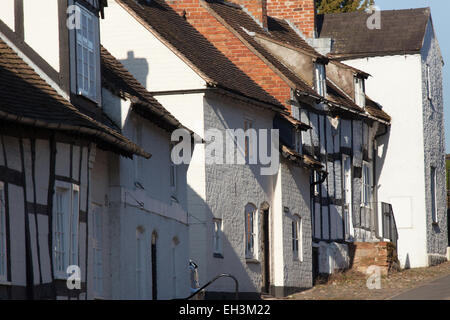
{"x":433,"y":191}
{"x":366,"y":203}
{"x":69,"y":217}
{"x":320,"y":79}
{"x":297,"y":140}
{"x":360,"y":91}
{"x":428,"y":80}
{"x":3,"y":236}
{"x":250,"y":252}
{"x":295,"y":111}
{"x":317,"y":186}
{"x":92,"y":46}
{"x":297,"y":238}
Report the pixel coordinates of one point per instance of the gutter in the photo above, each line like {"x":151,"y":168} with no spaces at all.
{"x":129,"y":147}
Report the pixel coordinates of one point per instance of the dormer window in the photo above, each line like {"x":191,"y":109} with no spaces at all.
{"x":87,"y":54}
{"x":320,"y":77}
{"x":360,"y":92}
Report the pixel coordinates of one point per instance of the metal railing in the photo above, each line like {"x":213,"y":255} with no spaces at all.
{"x":389,"y":226}
{"x":223,"y":275}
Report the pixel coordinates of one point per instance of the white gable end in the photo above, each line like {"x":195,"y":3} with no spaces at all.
{"x":147,"y":58}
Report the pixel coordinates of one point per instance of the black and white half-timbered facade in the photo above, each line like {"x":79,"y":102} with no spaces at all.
{"x":51,"y":129}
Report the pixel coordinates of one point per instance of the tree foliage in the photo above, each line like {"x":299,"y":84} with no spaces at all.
{"x":338,"y":6}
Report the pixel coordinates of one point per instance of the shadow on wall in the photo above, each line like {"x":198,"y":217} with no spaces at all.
{"x":229,"y":261}
{"x":138,"y":67}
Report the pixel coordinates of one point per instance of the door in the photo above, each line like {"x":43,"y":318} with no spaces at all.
{"x":347,"y":196}
{"x":154,"y":267}
{"x":266,"y":252}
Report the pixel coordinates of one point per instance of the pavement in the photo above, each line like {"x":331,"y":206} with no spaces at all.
{"x":438,"y":289}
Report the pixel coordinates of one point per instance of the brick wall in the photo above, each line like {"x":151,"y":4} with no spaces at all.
{"x":381,"y":254}
{"x":301,"y":13}
{"x":233,"y":48}
{"x":257,"y":8}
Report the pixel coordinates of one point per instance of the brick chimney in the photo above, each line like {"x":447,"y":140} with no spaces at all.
{"x":257,"y":8}
{"x":301,"y":13}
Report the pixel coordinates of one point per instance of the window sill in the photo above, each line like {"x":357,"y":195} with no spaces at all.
{"x":252,"y":261}
{"x":217,"y":255}
{"x":85,"y":96}
{"x":5,"y":283}
{"x":61,"y":277}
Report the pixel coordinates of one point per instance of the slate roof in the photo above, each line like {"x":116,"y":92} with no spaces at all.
{"x":27,"y":99}
{"x":118,"y":79}
{"x":207,"y":59}
{"x":402,"y":31}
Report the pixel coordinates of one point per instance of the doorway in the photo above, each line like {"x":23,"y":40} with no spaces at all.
{"x":154,"y":268}
{"x":266,"y":251}
{"x":347,"y":186}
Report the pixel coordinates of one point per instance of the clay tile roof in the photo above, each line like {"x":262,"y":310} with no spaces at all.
{"x":338,"y":96}
{"x":375,"y":110}
{"x":121,"y":81}
{"x":302,"y":160}
{"x":208,"y":61}
{"x":296,"y":123}
{"x":402,"y":31}
{"x":28,"y":99}
{"x":282,"y":31}
{"x":346,"y":66}
{"x":241,"y":23}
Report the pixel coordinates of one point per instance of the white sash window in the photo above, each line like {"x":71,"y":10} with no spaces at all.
{"x":87,"y":52}
{"x":297,"y":238}
{"x":66,"y":211}
{"x":360,"y":96}
{"x":250,"y":231}
{"x":321,"y":80}
{"x":366,"y":197}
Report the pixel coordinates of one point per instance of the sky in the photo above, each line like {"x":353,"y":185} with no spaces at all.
{"x":440,"y":13}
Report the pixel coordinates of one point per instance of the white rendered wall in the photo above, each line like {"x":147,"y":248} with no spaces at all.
{"x":41,"y":28}
{"x":7,"y":13}
{"x":396,"y":84}
{"x":150,"y":209}
{"x":147,"y":58}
